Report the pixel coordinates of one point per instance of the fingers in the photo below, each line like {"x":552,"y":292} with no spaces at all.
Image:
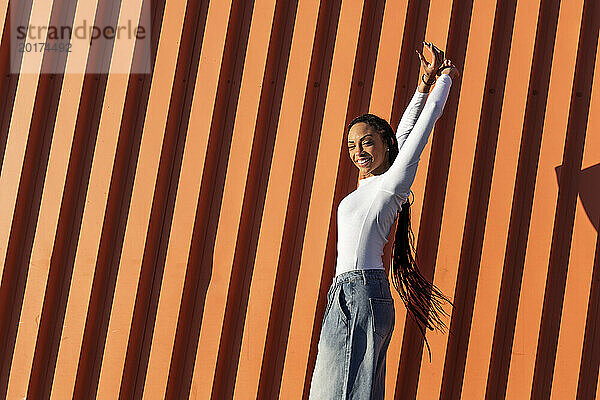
{"x":428,"y":47}
{"x":424,"y":63}
{"x":445,"y":65}
{"x":439,"y":64}
{"x":432,"y":49}
{"x":421,"y":58}
{"x":448,"y":68}
{"x":438,"y":55}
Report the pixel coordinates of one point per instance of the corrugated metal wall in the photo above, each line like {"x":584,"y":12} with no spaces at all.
{"x":173,"y":234}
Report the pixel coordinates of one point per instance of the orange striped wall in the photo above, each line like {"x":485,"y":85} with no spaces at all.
{"x":172,"y":234}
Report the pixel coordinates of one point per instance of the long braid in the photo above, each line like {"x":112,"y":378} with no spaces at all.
{"x":423,"y":300}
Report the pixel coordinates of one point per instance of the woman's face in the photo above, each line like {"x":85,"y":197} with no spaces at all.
{"x":367,"y":150}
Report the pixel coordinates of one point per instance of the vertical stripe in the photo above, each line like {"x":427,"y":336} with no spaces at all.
{"x":19,"y":91}
{"x":118,"y":86}
{"x":94,"y":335}
{"x":163,"y":202}
{"x":234,"y":351}
{"x":520,"y":372}
{"x":181,"y":233}
{"x":523,"y":198}
{"x":71,"y":209}
{"x":10,"y":63}
{"x":278,"y":196}
{"x":567,"y":197}
{"x":382,"y":99}
{"x":211,"y":192}
{"x":111,"y":199}
{"x":296,"y":221}
{"x":429,"y":371}
{"x":358,"y":101}
{"x":503,"y":183}
{"x":434,"y":195}
{"x":25,"y":217}
{"x":577,"y":291}
{"x":590,"y":357}
{"x":477,"y":206}
{"x":35,"y":291}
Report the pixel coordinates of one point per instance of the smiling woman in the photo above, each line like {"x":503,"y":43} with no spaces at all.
{"x":367,"y":150}
{"x":359,"y":317}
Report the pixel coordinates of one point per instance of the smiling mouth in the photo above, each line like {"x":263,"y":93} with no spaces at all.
{"x":363,"y":162}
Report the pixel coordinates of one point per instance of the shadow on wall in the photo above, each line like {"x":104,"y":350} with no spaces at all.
{"x":589,"y":192}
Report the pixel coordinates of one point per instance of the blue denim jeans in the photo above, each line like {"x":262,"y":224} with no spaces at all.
{"x":356,"y":331}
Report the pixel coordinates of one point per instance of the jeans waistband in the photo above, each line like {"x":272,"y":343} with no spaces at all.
{"x":360,"y":274}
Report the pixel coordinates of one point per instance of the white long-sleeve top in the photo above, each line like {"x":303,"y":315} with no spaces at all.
{"x":366,"y":215}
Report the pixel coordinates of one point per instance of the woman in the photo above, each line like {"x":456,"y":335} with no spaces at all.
{"x":359,"y":317}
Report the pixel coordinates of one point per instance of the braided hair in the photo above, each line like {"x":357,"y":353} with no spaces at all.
{"x":423,"y":300}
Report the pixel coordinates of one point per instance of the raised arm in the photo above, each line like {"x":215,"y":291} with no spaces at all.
{"x":416,"y":104}
{"x":410,"y":116}
{"x":401,"y":174}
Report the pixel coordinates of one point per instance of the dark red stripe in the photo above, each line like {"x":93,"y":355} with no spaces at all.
{"x":358,"y":103}
{"x":520,"y":218}
{"x":434,"y":197}
{"x":409,"y":65}
{"x":254,"y":200}
{"x":155,"y":250}
{"x":72,"y":206}
{"x":590,"y":357}
{"x":479,"y":196}
{"x":199,"y":268}
{"x":567,"y":201}
{"x":29,"y":196}
{"x":113,"y":228}
{"x":312,"y":116}
{"x":415,"y":24}
{"x":10,"y":64}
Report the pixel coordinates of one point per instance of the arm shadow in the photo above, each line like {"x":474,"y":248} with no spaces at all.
{"x":589,"y":192}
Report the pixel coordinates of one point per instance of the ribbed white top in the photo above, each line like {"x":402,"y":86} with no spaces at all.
{"x":365,"y":216}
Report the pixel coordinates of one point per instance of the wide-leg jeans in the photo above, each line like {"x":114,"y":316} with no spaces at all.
{"x":356,"y":331}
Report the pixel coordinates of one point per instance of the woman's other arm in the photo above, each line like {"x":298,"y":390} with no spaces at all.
{"x":410,"y":116}
{"x":416,"y":104}
{"x":401,"y":174}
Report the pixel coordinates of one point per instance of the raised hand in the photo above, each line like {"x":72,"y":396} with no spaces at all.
{"x":430,"y":68}
{"x":448,"y":68}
